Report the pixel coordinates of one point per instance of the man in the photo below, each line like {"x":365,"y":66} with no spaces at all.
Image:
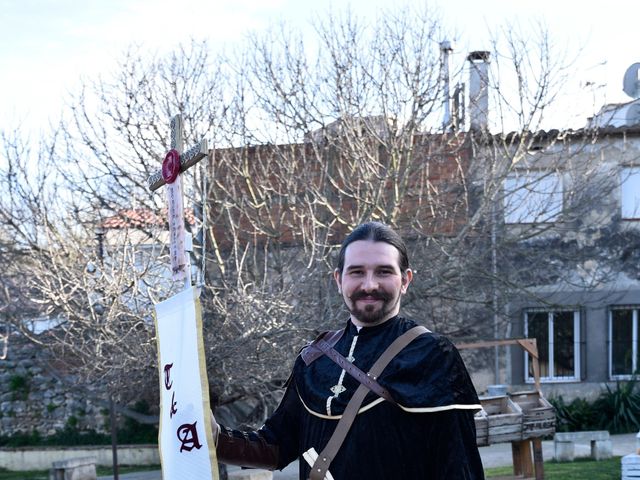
{"x":421,"y":427}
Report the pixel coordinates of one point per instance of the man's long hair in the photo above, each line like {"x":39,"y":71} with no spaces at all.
{"x":375,"y":232}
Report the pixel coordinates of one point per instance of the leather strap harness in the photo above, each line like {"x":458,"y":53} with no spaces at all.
{"x":365,"y":379}
{"x":367,"y":382}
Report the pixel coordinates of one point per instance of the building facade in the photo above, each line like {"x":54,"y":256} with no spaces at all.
{"x":579,"y":196}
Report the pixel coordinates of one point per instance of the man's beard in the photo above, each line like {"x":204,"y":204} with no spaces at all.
{"x":369,"y":314}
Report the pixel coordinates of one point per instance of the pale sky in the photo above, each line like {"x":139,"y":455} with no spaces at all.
{"x":47,"y":46}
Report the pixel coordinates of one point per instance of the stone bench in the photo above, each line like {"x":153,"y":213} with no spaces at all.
{"x":564,"y":444}
{"x":83,"y":468}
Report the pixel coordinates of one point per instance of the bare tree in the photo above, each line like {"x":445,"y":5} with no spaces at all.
{"x":310,"y":139}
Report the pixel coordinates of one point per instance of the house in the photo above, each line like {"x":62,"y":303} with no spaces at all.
{"x":577,"y":290}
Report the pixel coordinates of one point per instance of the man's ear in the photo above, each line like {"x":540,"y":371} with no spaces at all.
{"x":406,"y":280}
{"x":338,"y":278}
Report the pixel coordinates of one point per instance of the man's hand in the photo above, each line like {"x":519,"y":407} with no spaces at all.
{"x":215,"y":428}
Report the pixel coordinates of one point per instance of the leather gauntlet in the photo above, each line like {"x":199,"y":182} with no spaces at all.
{"x":246,"y":450}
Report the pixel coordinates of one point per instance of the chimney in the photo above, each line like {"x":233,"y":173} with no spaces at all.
{"x":445,"y":51}
{"x":479,"y":90}
{"x":458,"y":107}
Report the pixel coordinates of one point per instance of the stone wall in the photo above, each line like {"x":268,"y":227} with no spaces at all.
{"x":32,"y":397}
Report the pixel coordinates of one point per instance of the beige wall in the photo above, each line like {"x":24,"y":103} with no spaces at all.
{"x":34,"y":458}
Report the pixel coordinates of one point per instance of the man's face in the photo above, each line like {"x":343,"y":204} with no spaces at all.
{"x":371,"y":282}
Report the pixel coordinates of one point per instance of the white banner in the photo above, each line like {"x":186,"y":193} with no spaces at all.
{"x":187,"y":450}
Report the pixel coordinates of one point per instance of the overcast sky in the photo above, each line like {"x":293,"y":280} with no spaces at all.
{"x":47,"y":46}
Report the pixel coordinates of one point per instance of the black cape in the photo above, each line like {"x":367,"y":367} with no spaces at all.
{"x":430,"y":435}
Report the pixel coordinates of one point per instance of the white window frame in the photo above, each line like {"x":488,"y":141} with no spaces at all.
{"x":533,"y":197}
{"x":634,"y":342}
{"x":576,"y":347}
{"x":630,"y":193}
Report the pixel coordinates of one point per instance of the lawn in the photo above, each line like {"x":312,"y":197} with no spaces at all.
{"x":577,"y":470}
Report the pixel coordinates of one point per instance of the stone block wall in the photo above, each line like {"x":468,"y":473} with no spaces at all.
{"x":33,"y":399}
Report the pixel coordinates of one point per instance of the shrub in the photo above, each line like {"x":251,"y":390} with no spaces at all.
{"x":72,"y":423}
{"x":619,"y":409}
{"x":72,"y":434}
{"x":616,"y":410}
{"x":135,"y":432}
{"x":19,"y":386}
{"x":579,"y":415}
{"x":20,"y":439}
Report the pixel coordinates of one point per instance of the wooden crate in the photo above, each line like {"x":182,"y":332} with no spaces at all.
{"x":504,"y":419}
{"x":482,"y":428}
{"x":538,"y":415}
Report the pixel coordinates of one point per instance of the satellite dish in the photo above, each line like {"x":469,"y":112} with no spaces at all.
{"x":631,"y":82}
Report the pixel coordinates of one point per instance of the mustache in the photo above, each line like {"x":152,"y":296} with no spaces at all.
{"x":375,"y":294}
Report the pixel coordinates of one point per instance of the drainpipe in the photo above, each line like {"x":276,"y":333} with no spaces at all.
{"x":494,"y":287}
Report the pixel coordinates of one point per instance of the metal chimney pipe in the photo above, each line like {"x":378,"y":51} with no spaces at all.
{"x":445,"y":51}
{"x":479,"y":90}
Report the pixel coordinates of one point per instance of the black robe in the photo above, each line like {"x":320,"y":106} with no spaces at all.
{"x":430,"y":435}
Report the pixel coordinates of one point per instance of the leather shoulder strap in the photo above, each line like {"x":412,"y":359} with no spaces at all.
{"x":311,"y":352}
{"x":365,"y":379}
{"x":321,"y":465}
{"x":396,"y":347}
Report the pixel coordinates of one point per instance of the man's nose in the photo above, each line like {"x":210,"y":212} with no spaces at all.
{"x":369,"y":283}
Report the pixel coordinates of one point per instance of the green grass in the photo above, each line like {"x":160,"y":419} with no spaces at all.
{"x":44,"y":474}
{"x":577,"y":470}
{"x":30,"y":475}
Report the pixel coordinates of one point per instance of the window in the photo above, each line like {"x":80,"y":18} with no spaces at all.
{"x":558,"y":338}
{"x":532,"y":197}
{"x":623,"y":342}
{"x":630,"y":193}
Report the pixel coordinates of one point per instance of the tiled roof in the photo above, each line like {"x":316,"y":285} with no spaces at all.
{"x":552,"y":135}
{"x":583,"y":132}
{"x":141,"y":217}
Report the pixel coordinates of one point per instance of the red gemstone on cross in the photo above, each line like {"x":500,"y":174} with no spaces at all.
{"x":171,"y":166}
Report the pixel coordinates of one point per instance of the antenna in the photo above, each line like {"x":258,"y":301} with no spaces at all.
{"x":631,"y":81}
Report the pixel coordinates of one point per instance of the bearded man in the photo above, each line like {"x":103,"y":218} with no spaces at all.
{"x":382,"y":398}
